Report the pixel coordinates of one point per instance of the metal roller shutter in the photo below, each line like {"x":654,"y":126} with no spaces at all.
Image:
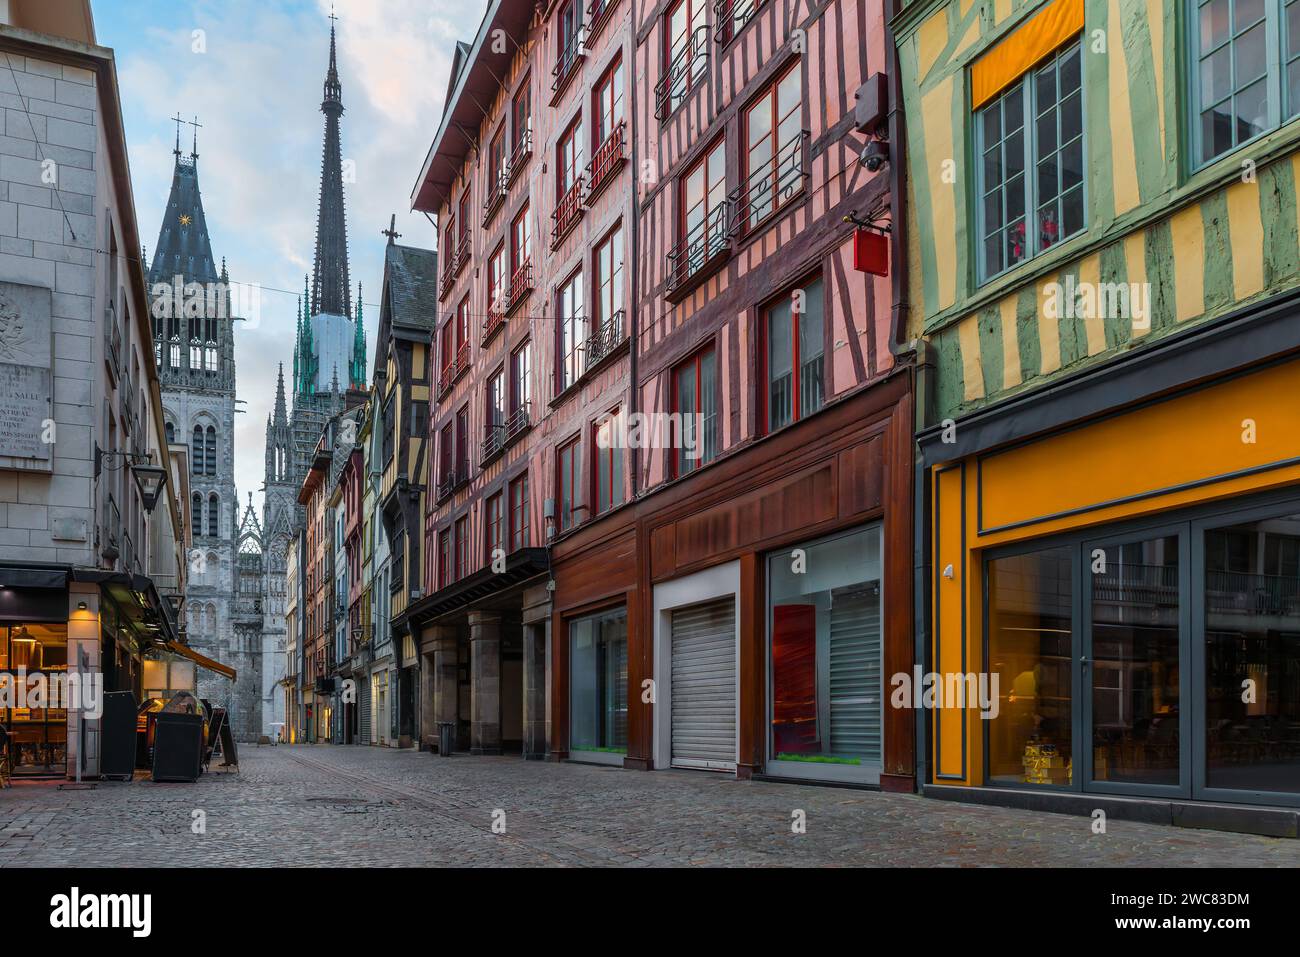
{"x":855,"y":672}
{"x":703,"y":692}
{"x":363,"y":704}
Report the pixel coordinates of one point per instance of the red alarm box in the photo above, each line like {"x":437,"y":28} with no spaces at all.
{"x":871,"y":252}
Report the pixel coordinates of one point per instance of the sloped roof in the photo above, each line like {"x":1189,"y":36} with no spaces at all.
{"x":411,"y":286}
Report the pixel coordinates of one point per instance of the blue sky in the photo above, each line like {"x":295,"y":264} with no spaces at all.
{"x":253,"y":77}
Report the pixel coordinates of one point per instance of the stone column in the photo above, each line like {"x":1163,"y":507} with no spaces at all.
{"x":443,"y":697}
{"x":535,"y":691}
{"x":485,"y":683}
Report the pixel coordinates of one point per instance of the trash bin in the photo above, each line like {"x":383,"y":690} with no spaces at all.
{"x":446,"y":735}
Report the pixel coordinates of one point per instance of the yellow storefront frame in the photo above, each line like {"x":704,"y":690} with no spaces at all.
{"x":1221,"y":441}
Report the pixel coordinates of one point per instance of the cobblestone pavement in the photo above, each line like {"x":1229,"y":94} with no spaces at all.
{"x":354,"y":806}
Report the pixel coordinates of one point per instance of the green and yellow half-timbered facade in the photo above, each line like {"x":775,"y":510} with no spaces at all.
{"x":1104,"y":285}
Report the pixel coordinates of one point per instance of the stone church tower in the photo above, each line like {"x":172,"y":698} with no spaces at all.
{"x":329,"y":361}
{"x":195,"y":352}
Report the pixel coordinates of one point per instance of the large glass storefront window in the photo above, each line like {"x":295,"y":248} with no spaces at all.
{"x":598,"y":684}
{"x":1252,"y":655}
{"x":1029,"y":649}
{"x":38,"y":736}
{"x":824,"y":626}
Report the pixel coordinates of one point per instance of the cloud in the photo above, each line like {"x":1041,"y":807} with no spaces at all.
{"x":256,"y":89}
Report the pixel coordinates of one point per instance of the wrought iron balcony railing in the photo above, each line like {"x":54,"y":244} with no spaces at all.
{"x":495,"y":321}
{"x":610,"y":156}
{"x":520,"y":421}
{"x":453,"y":479}
{"x":521,"y":284}
{"x":768,"y":188}
{"x":496,"y":196}
{"x":598,"y":14}
{"x":732,"y":15}
{"x":462,"y":254}
{"x":494,"y":443}
{"x":607,"y":337}
{"x":448,"y":274}
{"x":520,"y":155}
{"x":566,"y":64}
{"x":684,"y":71}
{"x":567,"y":212}
{"x":458,"y":367}
{"x":705,"y":243}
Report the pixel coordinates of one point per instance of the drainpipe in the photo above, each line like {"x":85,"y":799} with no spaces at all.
{"x":634,"y":389}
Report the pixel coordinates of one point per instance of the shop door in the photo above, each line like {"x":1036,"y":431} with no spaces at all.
{"x":703,"y":692}
{"x":1135,"y":667}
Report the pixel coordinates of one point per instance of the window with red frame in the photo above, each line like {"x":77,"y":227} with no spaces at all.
{"x":462,"y":440}
{"x":569,"y":157}
{"x":793,"y":330}
{"x":607,"y":267}
{"x":703,"y":211}
{"x":449,"y":244}
{"x":572,"y":328}
{"x":446,"y":338}
{"x":462,"y":547}
{"x":495,"y":528}
{"x":694,"y":400}
{"x":462,"y":324}
{"x":607,"y":457}
{"x":444,"y":558}
{"x":569,"y":466}
{"x":680,"y":24}
{"x":521,"y":377}
{"x":462,"y":241}
{"x":520,"y":242}
{"x":496,"y":399}
{"x":446,"y":451}
{"x":607,"y":105}
{"x":519,"y":534}
{"x":496,"y":160}
{"x":497,"y":279}
{"x":522,"y":115}
{"x":772,"y":157}
{"x":568,"y":23}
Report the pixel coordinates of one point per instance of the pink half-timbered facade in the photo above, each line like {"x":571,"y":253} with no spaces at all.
{"x":699,"y":256}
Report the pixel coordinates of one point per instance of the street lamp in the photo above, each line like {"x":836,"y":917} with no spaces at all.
{"x":149,"y":478}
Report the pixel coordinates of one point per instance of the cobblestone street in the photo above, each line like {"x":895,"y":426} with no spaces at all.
{"x":324,"y":806}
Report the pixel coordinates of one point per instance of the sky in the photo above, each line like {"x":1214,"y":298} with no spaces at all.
{"x":252,"y":72}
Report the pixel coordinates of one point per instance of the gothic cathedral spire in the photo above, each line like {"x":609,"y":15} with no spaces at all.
{"x":330,"y":291}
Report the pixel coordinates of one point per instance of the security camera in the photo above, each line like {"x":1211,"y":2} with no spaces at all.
{"x":875,"y":155}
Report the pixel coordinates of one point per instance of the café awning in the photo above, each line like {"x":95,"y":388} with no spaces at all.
{"x":201,"y":660}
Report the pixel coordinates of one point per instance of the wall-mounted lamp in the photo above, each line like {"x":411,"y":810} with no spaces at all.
{"x":81,"y":606}
{"x":149,"y":478}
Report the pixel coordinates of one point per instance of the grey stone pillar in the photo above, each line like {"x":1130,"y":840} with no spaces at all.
{"x":535,"y":691}
{"x":485,"y":683}
{"x":442,"y":697}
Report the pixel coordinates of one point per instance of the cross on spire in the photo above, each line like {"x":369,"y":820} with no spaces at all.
{"x":179,"y":121}
{"x":391,"y":232}
{"x":194,"y":151}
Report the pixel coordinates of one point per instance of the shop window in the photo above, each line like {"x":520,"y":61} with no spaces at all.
{"x":824,"y":621}
{"x":598,"y":683}
{"x":1252,"y":633}
{"x":1030,"y":650}
{"x":37,"y":737}
{"x":694,"y":403}
{"x":793,"y":329}
{"x":1031,"y":143}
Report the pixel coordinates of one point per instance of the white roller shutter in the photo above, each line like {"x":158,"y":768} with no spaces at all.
{"x":855,"y":672}
{"x":703,"y":692}
{"x":363,"y":707}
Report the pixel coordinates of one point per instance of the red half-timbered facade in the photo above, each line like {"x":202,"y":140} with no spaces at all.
{"x":703,"y":529}
{"x":532,"y":344}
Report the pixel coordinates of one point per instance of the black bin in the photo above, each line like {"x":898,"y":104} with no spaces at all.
{"x":446,"y":737}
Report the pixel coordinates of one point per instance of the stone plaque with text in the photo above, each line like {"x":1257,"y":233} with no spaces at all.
{"x":26,"y":373}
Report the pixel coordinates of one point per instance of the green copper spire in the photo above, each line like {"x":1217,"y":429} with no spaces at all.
{"x":358,"y":375}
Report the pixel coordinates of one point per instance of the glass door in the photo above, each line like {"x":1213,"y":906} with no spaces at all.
{"x":1135,"y":664}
